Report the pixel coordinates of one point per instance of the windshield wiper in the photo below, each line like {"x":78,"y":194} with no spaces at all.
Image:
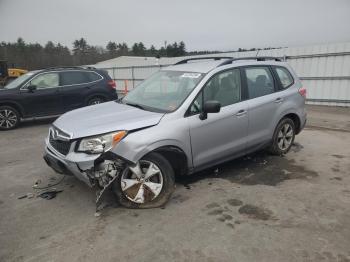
{"x":135,"y":105}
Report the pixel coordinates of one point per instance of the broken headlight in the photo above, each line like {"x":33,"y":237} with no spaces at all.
{"x":101,"y":143}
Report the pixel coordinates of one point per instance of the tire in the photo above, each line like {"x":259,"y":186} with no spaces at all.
{"x":283,"y":137}
{"x":9,"y":118}
{"x":95,"y":101}
{"x":145,"y":193}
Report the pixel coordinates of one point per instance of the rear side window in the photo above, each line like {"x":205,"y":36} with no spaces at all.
{"x":93,"y":76}
{"x":78,"y":77}
{"x":284,"y":76}
{"x":259,"y":81}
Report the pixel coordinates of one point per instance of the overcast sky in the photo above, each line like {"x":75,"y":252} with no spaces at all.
{"x":210,"y":25}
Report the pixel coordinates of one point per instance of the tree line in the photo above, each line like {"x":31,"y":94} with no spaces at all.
{"x":31,"y":56}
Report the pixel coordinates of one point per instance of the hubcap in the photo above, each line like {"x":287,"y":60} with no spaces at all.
{"x":8,"y":118}
{"x":95,"y":102}
{"x":143,"y":182}
{"x":285,"y":136}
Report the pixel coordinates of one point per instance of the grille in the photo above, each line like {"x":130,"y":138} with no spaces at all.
{"x":59,"y":145}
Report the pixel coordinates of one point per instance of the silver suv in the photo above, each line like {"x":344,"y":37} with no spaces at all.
{"x":187,"y":117}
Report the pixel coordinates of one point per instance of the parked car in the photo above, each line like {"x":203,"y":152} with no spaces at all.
{"x":52,"y":92}
{"x":185,"y":118}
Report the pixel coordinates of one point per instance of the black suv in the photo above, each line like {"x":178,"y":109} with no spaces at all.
{"x":53,"y":91}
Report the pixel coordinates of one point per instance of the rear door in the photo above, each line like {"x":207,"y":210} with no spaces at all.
{"x":264,"y":103}
{"x":222,"y":135}
{"x":45,"y":99}
{"x":77,"y":85}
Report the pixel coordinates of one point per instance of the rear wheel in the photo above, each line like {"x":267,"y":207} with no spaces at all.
{"x":95,"y":101}
{"x":9,"y":118}
{"x":149,"y":184}
{"x":283,"y":137}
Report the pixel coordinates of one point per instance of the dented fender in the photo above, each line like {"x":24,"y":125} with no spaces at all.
{"x":137,"y":144}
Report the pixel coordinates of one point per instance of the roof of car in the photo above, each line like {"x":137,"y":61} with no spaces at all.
{"x":196,"y":66}
{"x":204,"y":66}
{"x":66,"y":68}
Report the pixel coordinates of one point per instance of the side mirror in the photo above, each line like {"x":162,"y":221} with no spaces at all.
{"x":31,"y":88}
{"x":210,"y":107}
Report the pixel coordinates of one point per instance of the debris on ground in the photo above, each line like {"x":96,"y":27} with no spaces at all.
{"x":28,"y":195}
{"x":49,"y":194}
{"x":22,"y":197}
{"x":38,"y":182}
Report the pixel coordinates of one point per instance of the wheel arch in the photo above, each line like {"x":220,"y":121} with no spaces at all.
{"x":174,"y":151}
{"x":296,"y":120}
{"x":175,"y":156}
{"x":14,"y":105}
{"x":99,"y":95}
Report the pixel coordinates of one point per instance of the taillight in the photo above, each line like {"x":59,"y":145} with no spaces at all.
{"x":112,"y":84}
{"x":302,"y":91}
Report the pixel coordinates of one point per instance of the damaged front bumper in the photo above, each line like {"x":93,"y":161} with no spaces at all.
{"x":73,"y":163}
{"x":99,"y":170}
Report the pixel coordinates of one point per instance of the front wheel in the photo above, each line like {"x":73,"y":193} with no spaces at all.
{"x":149,"y":184}
{"x":283,"y":137}
{"x":9,"y":118}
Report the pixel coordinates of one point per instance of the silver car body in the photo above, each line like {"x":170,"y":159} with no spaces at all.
{"x":236,"y":130}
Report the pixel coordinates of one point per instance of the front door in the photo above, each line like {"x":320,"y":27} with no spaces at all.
{"x":222,"y":135}
{"x":45,"y":99}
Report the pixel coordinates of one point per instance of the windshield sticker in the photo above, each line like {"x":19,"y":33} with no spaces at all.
{"x":191,"y":75}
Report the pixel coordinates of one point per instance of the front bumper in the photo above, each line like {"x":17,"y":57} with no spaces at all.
{"x":73,"y":163}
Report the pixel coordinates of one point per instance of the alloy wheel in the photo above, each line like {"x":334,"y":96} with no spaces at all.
{"x":143,"y":182}
{"x":8,"y":118}
{"x":285,"y":136}
{"x":95,"y":101}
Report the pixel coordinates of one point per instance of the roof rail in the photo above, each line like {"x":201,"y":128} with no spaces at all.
{"x":257,"y":58}
{"x":203,"y":58}
{"x":69,"y":67}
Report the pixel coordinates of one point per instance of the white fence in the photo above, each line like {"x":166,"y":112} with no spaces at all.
{"x":324,"y":71}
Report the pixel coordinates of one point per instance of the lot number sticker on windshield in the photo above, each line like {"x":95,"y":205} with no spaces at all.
{"x":191,"y":75}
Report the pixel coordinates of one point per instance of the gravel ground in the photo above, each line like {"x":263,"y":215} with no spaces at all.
{"x":256,"y":208}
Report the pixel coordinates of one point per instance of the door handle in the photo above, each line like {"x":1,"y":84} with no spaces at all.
{"x":279,"y":100}
{"x":241,"y":112}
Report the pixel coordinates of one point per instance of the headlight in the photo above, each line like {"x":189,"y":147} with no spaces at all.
{"x":101,"y":143}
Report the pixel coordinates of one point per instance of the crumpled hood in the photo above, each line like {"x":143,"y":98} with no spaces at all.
{"x":104,"y":118}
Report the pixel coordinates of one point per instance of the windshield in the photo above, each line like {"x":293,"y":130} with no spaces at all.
{"x":15,"y":83}
{"x":164,"y":91}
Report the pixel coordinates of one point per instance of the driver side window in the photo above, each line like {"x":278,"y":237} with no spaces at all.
{"x":48,"y":80}
{"x":224,"y":87}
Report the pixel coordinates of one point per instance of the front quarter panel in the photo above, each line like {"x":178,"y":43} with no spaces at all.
{"x":167,"y":133}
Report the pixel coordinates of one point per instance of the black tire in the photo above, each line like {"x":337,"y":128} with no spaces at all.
{"x":95,"y":100}
{"x":168,"y":179}
{"x":276,"y":148}
{"x":9,"y":118}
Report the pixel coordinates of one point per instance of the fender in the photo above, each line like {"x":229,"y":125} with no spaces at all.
{"x":13,"y":103}
{"x":137,"y":144}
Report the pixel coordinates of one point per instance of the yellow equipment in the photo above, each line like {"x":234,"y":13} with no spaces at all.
{"x":16,"y":72}
{"x":9,"y":74}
